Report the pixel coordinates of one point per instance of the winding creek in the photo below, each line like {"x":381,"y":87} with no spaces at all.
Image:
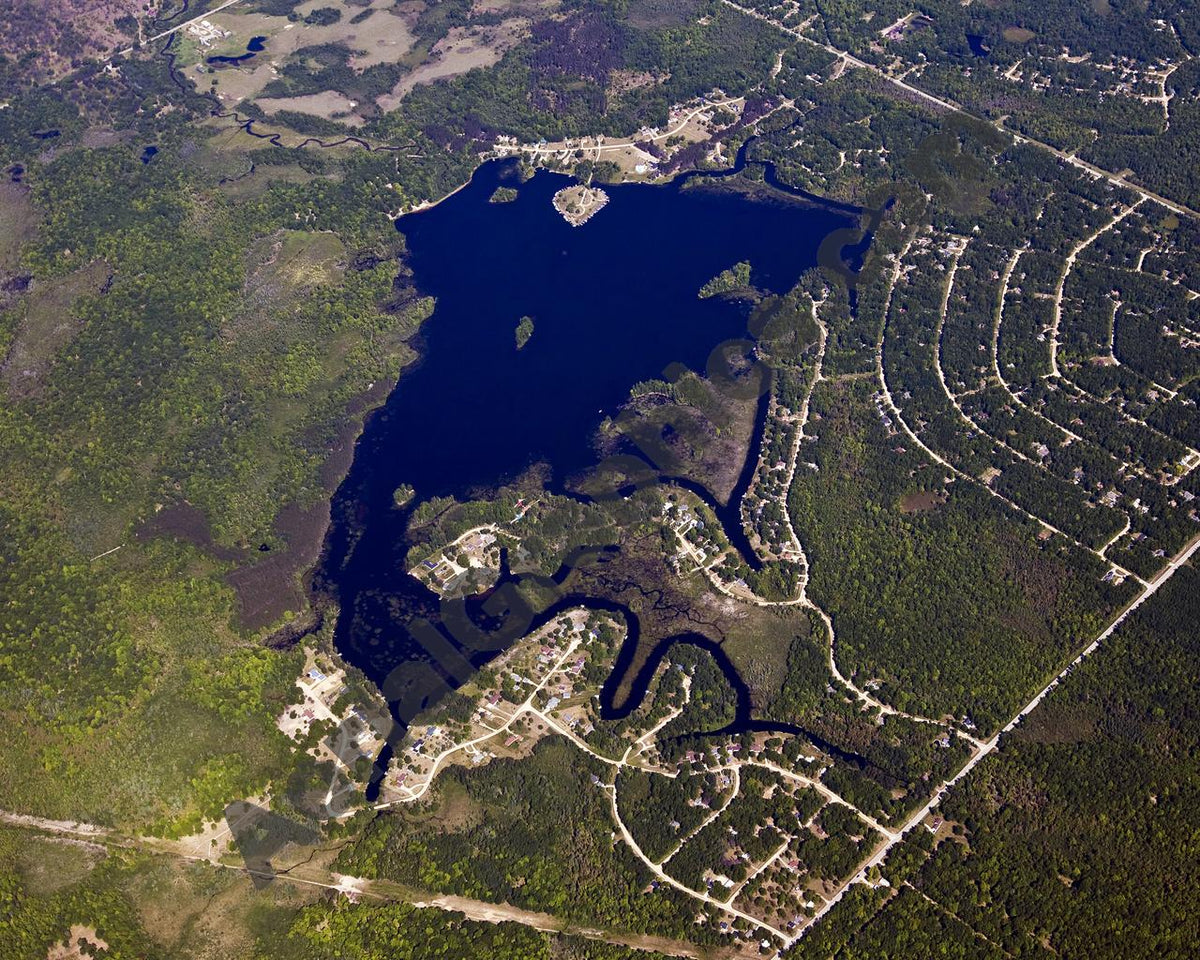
{"x":613,"y":302}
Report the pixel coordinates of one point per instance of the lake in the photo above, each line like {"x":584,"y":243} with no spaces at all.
{"x":613,"y":302}
{"x":977,"y":45}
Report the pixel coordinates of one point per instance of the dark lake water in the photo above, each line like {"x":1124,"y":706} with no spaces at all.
{"x":613,"y":302}
{"x":256,"y":45}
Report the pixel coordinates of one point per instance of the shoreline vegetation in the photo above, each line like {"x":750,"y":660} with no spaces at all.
{"x":524,"y":331}
{"x":578,"y":204}
{"x":735,"y":278}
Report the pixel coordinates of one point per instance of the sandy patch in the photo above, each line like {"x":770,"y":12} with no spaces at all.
{"x":384,"y":37}
{"x":523,"y":7}
{"x":95,"y":138}
{"x":921,"y":501}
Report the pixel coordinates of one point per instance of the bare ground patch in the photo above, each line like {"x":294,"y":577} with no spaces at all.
{"x":95,"y":138}
{"x":47,"y":323}
{"x":1018,"y":34}
{"x":18,"y":223}
{"x":461,"y":50}
{"x":512,"y":7}
{"x":383,"y":37}
{"x":81,"y":943}
{"x":199,"y":912}
{"x":328,"y":104}
{"x":50,"y":864}
{"x":921,"y":501}
{"x":282,"y":268}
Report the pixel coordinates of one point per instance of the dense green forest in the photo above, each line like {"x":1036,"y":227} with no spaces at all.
{"x":165,"y":468}
{"x":57,"y":895}
{"x":1077,"y":837}
{"x":1001,"y":414}
{"x":920,"y":598}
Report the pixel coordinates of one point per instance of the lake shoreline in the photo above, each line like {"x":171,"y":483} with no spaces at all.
{"x":366,"y":536}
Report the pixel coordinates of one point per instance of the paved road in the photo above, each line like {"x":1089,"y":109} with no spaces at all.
{"x":1076,"y":250}
{"x":950,"y":105}
{"x":991,"y":745}
{"x":166,"y":33}
{"x":525,"y":707}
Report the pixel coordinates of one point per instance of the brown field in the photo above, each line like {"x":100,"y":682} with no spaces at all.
{"x":18,"y":222}
{"x":461,"y":50}
{"x":1018,"y":34}
{"x":384,"y":37}
{"x":47,"y":865}
{"x":196,"y":911}
{"x":95,"y":138}
{"x":47,"y":323}
{"x":921,"y":501}
{"x":63,"y":33}
{"x":328,"y":104}
{"x":513,"y":7}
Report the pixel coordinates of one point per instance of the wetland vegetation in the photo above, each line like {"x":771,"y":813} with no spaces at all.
{"x":203,"y":298}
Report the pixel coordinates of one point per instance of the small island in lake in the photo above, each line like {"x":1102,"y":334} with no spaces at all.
{"x":503,"y":195}
{"x":578,"y":204}
{"x":524,"y":331}
{"x":735,"y":278}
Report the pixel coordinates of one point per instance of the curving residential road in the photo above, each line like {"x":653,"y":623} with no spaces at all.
{"x":990,"y":746}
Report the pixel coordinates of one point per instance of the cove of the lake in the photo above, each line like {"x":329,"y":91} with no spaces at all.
{"x":613,"y":302}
